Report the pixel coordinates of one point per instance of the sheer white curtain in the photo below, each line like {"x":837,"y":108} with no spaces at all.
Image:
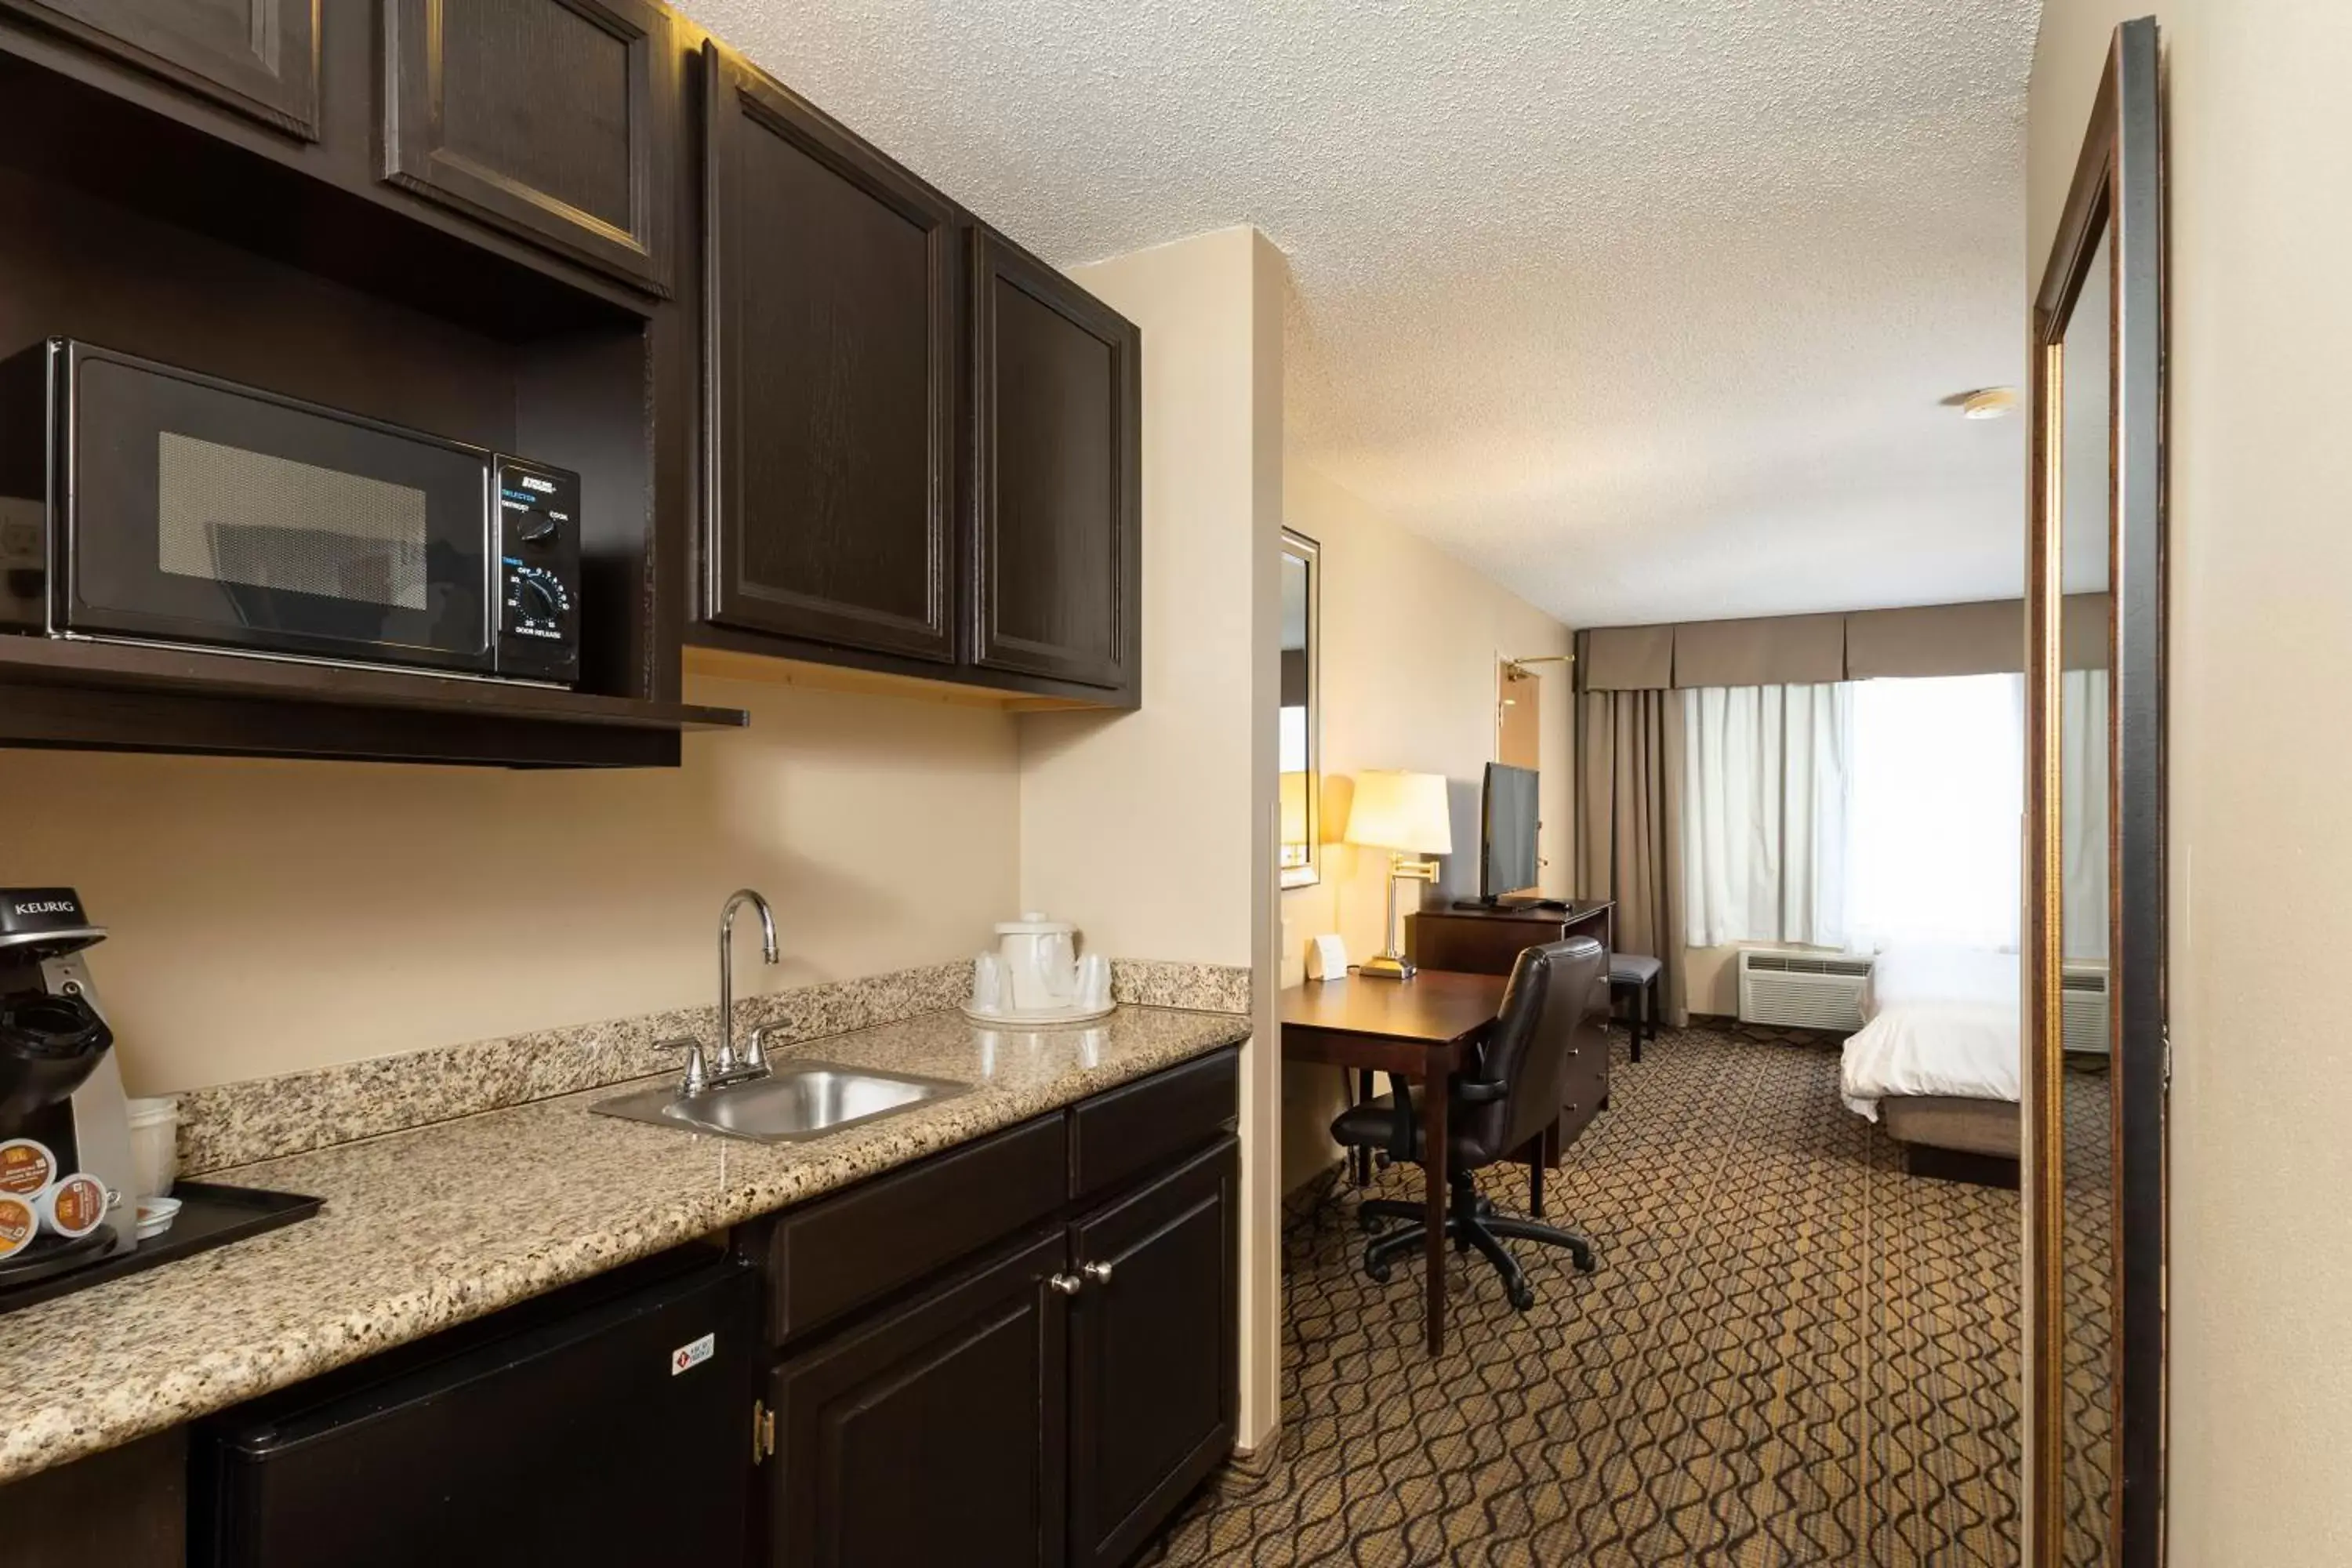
{"x":2083,"y":811}
{"x":1765,"y":800}
{"x":1937,"y":819}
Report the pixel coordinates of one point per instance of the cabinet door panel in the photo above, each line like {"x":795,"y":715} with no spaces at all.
{"x":553,"y":119}
{"x":933,"y":1434}
{"x":831,"y":344}
{"x":1153,"y":1354}
{"x":1057,"y":481}
{"x":259,"y":57}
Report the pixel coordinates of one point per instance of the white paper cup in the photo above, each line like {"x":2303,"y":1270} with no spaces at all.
{"x":154,"y":1145}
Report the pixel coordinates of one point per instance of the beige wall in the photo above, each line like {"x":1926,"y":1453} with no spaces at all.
{"x":1711,"y":978}
{"x":1411,"y":642}
{"x":2260,"y":852}
{"x":1154,"y":830}
{"x":1139,"y":826}
{"x":274,"y":915}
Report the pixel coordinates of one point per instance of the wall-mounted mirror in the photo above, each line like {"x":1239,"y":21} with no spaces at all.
{"x":1300,"y":747}
{"x":2095,"y":953}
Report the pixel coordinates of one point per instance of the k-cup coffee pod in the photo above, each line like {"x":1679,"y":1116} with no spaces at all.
{"x":73,"y":1208}
{"x":27,"y":1167}
{"x":18,"y":1224}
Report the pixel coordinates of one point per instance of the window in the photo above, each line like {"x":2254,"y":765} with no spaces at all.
{"x":1935,"y":825}
{"x":1860,"y":815}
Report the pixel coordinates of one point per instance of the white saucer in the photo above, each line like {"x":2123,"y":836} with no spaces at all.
{"x":1039,"y":1020}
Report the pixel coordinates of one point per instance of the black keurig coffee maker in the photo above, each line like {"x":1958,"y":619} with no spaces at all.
{"x":61,"y":1103}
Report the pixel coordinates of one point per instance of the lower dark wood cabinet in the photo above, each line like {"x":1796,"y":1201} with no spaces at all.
{"x":1154,"y":1363}
{"x":1052,"y":1399}
{"x":934,"y":1433}
{"x":124,"y":1508}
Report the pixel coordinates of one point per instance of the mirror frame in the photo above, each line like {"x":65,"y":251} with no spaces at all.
{"x":1299,"y":546}
{"x":2117,"y":194}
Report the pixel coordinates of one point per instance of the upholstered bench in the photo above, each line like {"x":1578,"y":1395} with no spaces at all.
{"x":1634,"y":979}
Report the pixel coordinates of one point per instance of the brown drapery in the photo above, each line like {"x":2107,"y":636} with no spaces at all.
{"x":1979,"y":638}
{"x":1629,"y":814}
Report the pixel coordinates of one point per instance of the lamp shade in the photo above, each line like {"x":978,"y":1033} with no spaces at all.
{"x":1402,"y":811}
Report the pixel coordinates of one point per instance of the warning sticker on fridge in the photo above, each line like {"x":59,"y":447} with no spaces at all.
{"x":687,"y":1357}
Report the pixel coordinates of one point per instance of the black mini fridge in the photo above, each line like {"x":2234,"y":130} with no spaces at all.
{"x":609,"y":1426}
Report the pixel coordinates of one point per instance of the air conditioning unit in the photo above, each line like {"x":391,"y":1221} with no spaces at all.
{"x":1798,"y":990}
{"x":2083,"y":1009}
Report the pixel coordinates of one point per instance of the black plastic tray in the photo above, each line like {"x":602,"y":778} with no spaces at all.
{"x":210,"y":1215}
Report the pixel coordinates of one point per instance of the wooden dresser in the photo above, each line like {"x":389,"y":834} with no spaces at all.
{"x":1489,"y":940}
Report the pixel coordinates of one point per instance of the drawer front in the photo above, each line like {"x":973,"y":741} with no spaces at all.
{"x":1587,"y":1085}
{"x":1119,"y":1135}
{"x":823,"y":1261}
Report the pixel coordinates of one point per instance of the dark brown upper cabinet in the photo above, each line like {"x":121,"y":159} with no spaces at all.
{"x":556,"y":120}
{"x":830,"y":353}
{"x":1057,"y":497}
{"x":259,"y":57}
{"x":1154,"y":1362}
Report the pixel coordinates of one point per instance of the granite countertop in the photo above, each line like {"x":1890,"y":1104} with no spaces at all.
{"x":428,"y":1228}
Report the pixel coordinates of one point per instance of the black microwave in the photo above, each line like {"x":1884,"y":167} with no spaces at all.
{"x":141,"y":502}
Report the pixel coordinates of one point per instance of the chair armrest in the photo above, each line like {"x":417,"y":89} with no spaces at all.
{"x":1400,"y":1096}
{"x":1476,"y":1093}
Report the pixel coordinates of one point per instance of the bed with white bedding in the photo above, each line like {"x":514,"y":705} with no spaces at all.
{"x":1938,"y":1060}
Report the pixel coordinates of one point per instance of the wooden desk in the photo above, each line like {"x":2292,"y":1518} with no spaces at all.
{"x":1421,"y":1029}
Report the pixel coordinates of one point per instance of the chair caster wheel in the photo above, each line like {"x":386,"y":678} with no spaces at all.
{"x":1585,"y":1263}
{"x":1522,"y":1298}
{"x":1370,"y":1224}
{"x":1379,"y":1271}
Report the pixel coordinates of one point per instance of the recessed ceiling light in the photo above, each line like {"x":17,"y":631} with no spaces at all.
{"x":1990,"y":403}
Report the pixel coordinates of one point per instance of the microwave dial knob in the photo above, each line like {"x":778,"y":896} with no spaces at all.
{"x":540,"y":530}
{"x":534,"y":600}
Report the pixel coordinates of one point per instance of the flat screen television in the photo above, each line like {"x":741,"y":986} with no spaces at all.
{"x":1506,"y":833}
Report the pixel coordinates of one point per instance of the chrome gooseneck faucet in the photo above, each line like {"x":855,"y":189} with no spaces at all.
{"x":725,"y":1069}
{"x":756,"y":1057}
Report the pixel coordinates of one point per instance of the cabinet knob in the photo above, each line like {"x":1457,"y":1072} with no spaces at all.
{"x":1098,"y":1272}
{"x":1068,"y":1284}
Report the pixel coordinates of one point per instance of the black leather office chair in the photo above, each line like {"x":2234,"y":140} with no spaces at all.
{"x":1500,"y":1111}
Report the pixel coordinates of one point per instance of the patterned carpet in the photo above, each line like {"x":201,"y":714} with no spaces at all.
{"x":1793,"y":1352}
{"x":2089,"y":1428}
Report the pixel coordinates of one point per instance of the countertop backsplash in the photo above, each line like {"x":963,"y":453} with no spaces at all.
{"x":264,"y":1119}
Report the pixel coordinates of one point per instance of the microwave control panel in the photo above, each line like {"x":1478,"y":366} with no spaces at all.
{"x":538,"y":570}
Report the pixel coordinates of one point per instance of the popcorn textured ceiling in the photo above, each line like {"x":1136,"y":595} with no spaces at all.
{"x":1645,"y":308}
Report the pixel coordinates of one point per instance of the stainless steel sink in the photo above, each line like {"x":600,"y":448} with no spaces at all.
{"x":797,"y":1101}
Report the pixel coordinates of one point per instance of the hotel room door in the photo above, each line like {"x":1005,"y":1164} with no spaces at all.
{"x":1519,"y":708}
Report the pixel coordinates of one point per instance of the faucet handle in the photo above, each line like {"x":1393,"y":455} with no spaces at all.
{"x":698,"y":1075}
{"x":755,"y":1054}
